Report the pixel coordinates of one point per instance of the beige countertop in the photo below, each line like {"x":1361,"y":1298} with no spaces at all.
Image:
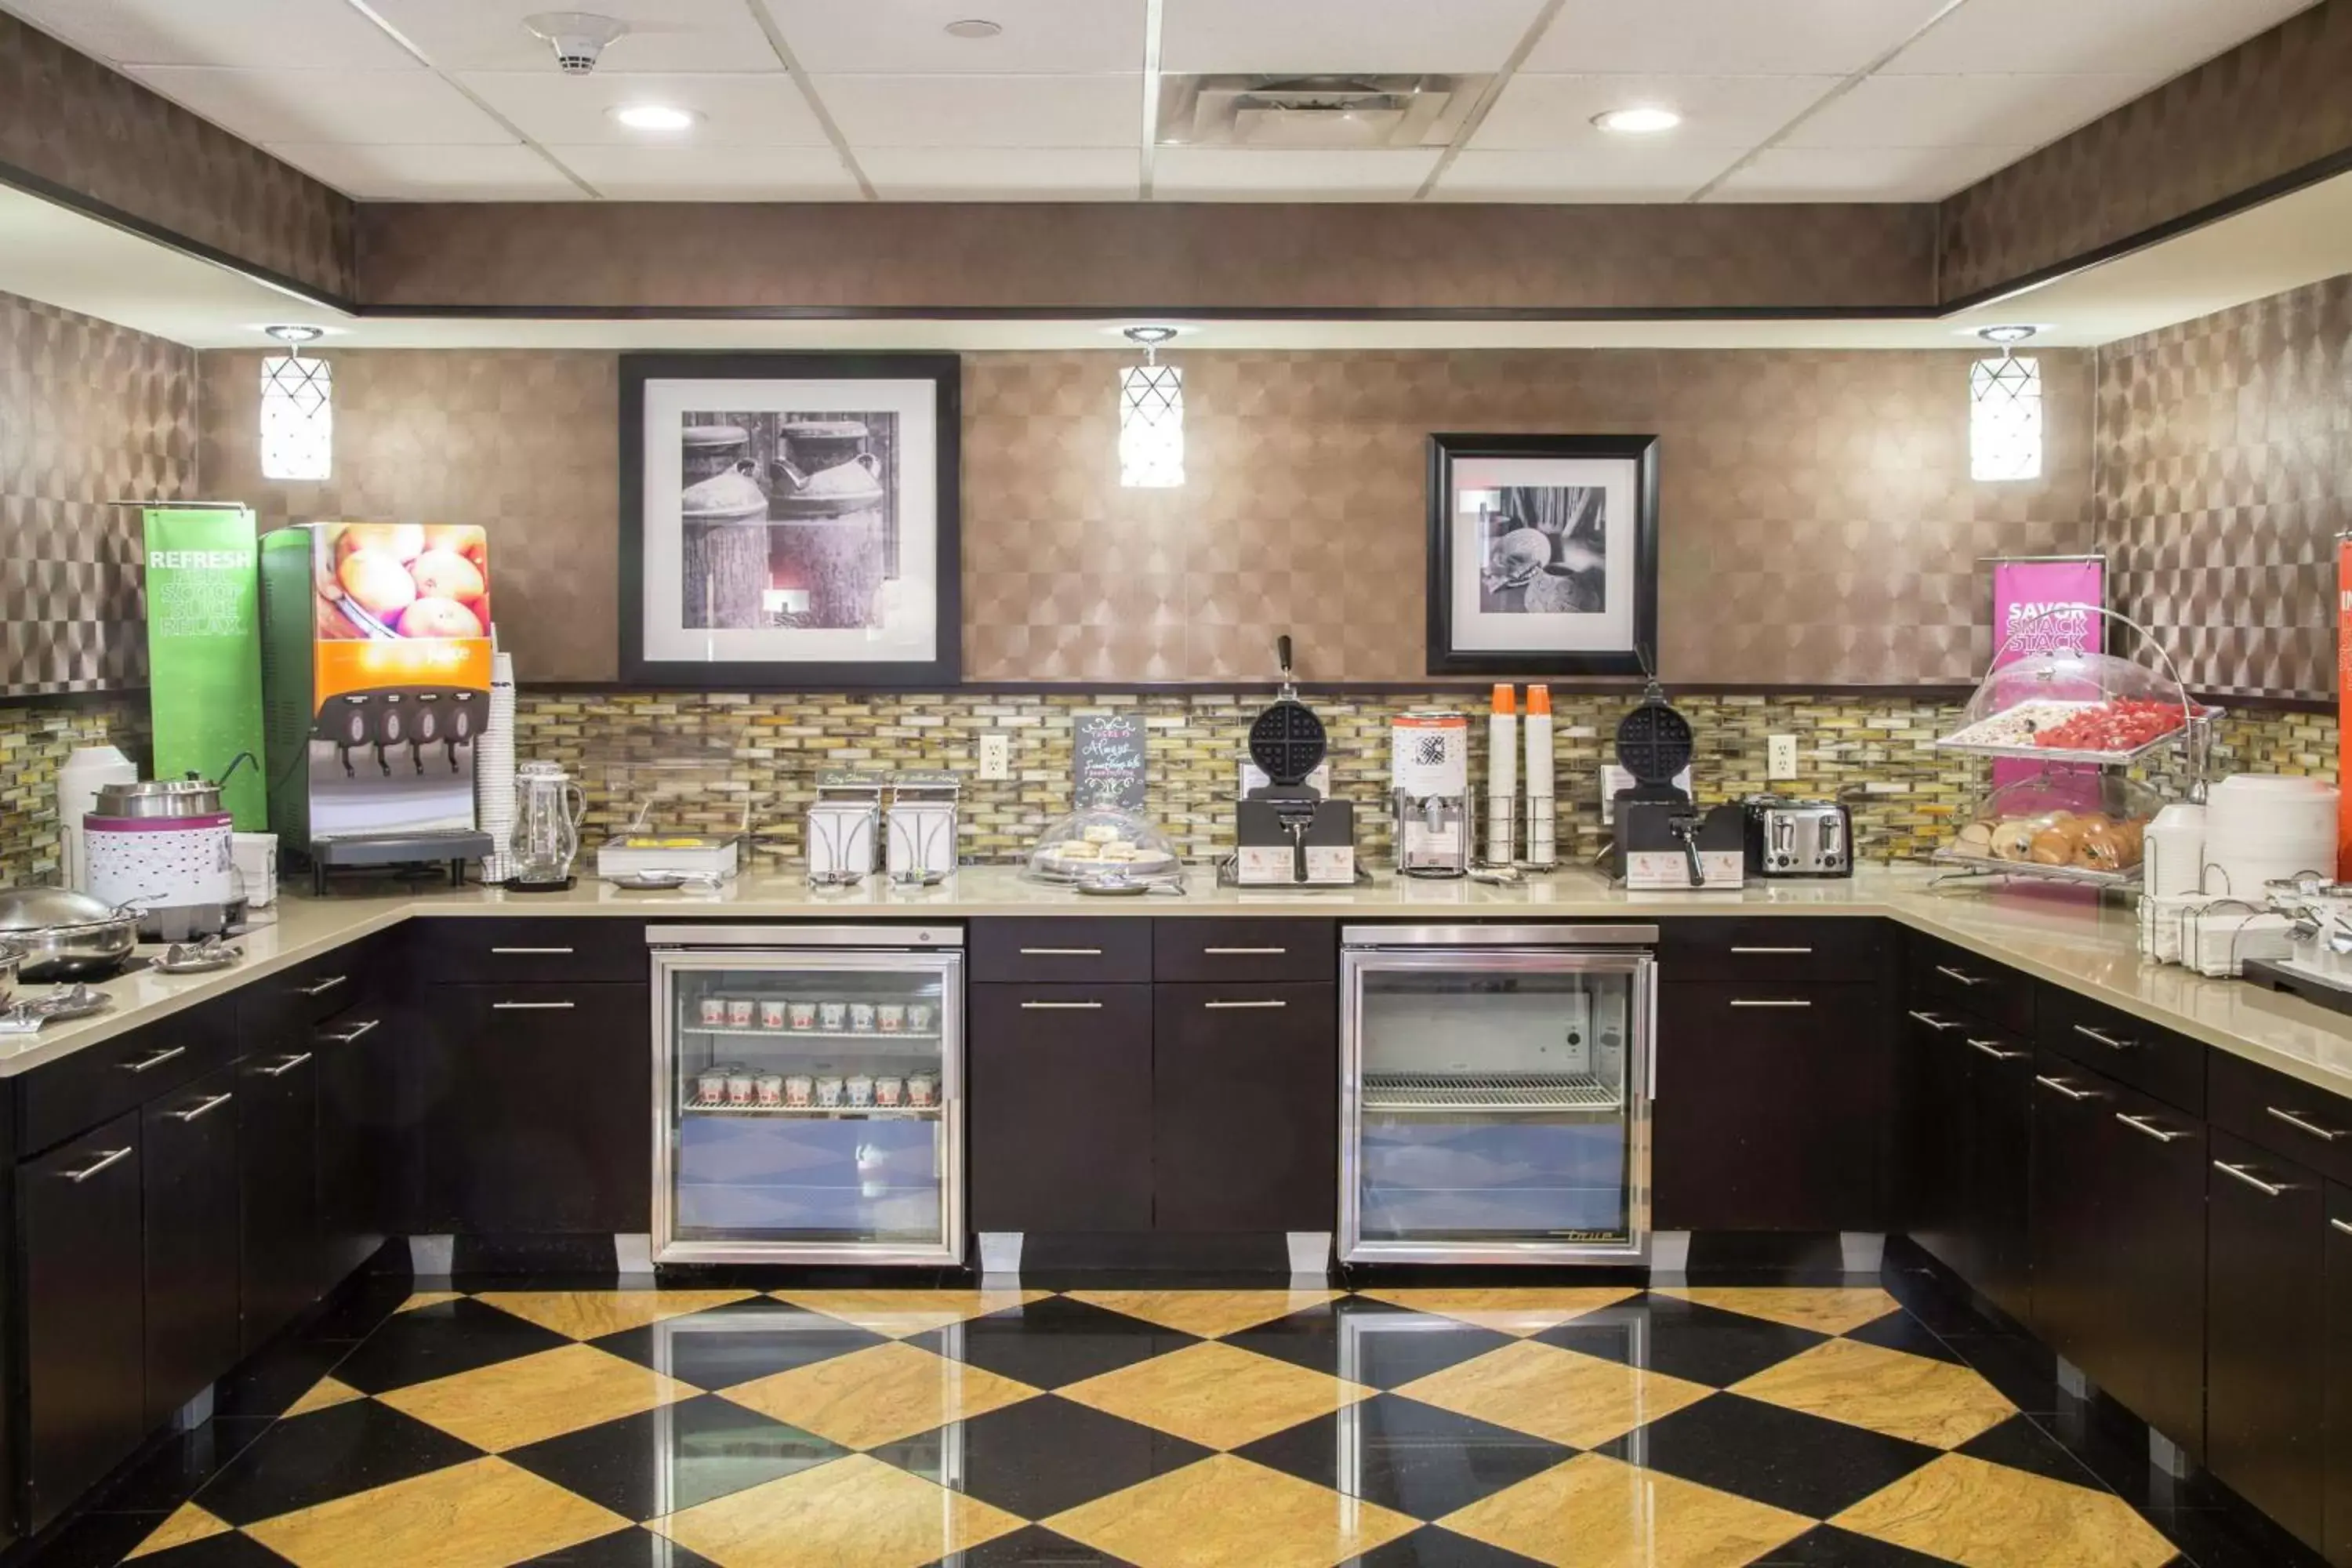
{"x":2062,"y":935}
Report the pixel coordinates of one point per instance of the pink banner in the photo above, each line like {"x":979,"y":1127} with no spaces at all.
{"x":2045,"y":605}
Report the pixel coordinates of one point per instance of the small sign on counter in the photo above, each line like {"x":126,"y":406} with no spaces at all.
{"x":1107,"y":758}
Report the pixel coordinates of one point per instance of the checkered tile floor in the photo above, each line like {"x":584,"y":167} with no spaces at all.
{"x":1671,"y":1428}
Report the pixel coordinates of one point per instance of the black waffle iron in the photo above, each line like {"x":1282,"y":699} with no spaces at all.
{"x":1655,"y":818}
{"x":1288,"y":835}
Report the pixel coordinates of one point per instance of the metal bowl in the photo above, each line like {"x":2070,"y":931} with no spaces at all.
{"x":11,"y":956}
{"x":65,"y":935}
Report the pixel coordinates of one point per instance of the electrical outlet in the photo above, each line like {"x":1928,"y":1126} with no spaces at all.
{"x":995,"y":755}
{"x":1780,"y":758}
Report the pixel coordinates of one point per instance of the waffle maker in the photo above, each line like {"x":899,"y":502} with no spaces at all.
{"x":1287,"y":835}
{"x":1663,"y":840}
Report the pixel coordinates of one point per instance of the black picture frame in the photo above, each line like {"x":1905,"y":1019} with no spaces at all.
{"x":1444,"y":656}
{"x":944,"y":372}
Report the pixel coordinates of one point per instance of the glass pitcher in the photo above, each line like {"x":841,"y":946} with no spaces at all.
{"x":548,"y":808}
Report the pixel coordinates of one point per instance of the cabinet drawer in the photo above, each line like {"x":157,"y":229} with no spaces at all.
{"x":1076,"y":951}
{"x":1060,"y":1108}
{"x":2171,"y":1067}
{"x":1946,"y":978}
{"x":283,"y":1006}
{"x":1774,"y":950}
{"x":532,"y":952}
{"x":1244,"y":949}
{"x":2281,"y":1114}
{"x":105,"y":1080}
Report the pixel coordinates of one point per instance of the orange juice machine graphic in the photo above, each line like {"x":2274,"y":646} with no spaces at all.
{"x":375,"y":683}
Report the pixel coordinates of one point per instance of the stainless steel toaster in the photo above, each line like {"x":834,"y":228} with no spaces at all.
{"x":1798,"y":837}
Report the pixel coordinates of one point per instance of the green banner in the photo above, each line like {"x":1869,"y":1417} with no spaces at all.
{"x":204,"y":651}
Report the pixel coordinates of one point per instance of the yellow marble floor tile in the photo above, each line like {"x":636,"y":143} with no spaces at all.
{"x":1210,"y":1314}
{"x":486,"y":1514}
{"x":1509,"y":1312}
{"x":188,"y":1522}
{"x":1569,"y":1397}
{"x":854,"y":1510}
{"x":900,"y":1313}
{"x":1594,"y":1513}
{"x":1887,"y":1390}
{"x":1990,"y":1516}
{"x":590,"y":1314}
{"x":1226,"y":1513}
{"x":1829,"y":1310}
{"x":877,"y":1395}
{"x":1215,"y":1394}
{"x":324,"y":1394}
{"x":512,"y":1402}
{"x":429,"y":1299}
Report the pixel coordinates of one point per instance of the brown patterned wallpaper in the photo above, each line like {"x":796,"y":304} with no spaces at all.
{"x":2273,"y":105}
{"x":89,"y":413}
{"x":2224,"y":474}
{"x":72,"y":123}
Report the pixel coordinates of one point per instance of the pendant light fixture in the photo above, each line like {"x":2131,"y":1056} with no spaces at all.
{"x":298,"y":409}
{"x":2005,"y":410}
{"x":1150,"y":416}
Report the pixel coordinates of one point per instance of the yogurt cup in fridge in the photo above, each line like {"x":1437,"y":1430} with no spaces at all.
{"x":711,"y":1086}
{"x":773,"y":1012}
{"x":922,"y":1089}
{"x":828,"y":1091}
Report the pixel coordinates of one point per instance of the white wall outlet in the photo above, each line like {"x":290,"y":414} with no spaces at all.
{"x":995,"y":755}
{"x":1780,"y":758}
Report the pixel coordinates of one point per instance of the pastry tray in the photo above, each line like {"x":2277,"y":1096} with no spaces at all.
{"x":2055,"y":754}
{"x":1993,"y":865}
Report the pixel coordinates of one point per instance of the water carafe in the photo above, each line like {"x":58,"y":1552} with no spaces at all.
{"x":547,"y":810}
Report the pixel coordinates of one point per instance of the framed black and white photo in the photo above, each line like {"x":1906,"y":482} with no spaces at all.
{"x":1543,"y":555}
{"x":788,"y":520}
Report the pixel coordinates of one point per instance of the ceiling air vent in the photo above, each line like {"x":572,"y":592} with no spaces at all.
{"x":1316,"y":112}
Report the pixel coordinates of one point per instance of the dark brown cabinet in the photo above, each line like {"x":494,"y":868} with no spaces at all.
{"x":1060,"y":1108}
{"x":189,"y":1164}
{"x":2338,"y":1509}
{"x":1967,"y":1087}
{"x":1244,"y":1106}
{"x":282,"y":1264}
{"x":356,"y":1059}
{"x":2265,"y":1398}
{"x":78,"y":1212}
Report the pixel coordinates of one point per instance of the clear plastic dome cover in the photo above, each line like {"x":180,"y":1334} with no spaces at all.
{"x":2063,"y":705}
{"x":2085,"y":818}
{"x":1103,"y":841}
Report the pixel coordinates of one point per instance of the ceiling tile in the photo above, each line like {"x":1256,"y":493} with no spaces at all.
{"x":985,"y":111}
{"x":382,"y":107}
{"x":996,"y":173}
{"x":1964,"y":111}
{"x":2088,"y":36}
{"x":508,"y":174}
{"x":1730,"y":36}
{"x":1862,"y":174}
{"x":279,"y":34}
{"x":712,"y":173}
{"x":1648,"y":172}
{"x":1335,"y":35}
{"x":761,"y":108}
{"x":663,"y":36}
{"x":1739,"y":111}
{"x":908,"y":37}
{"x":1229,"y":174}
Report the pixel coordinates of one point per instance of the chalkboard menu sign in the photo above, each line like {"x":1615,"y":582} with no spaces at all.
{"x":1108,"y":761}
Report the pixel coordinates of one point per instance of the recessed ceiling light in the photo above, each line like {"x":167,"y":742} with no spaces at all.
{"x":974,"y":27}
{"x":654,"y":116}
{"x":1637,"y":122}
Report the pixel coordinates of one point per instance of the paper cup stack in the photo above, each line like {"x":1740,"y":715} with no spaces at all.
{"x":494,"y":772}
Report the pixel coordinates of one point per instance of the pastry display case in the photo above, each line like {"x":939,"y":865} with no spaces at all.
{"x":2065,"y":823}
{"x":1103,"y":843}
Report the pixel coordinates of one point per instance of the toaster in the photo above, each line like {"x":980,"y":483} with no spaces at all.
{"x":1798,"y":837}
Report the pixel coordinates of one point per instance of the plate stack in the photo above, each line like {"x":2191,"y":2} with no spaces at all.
{"x":494,"y":772}
{"x":2263,"y":827}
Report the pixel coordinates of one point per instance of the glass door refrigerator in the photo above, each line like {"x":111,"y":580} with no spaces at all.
{"x":808,"y":1094}
{"x":1494,"y":1089}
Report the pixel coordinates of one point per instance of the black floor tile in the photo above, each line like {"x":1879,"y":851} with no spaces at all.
{"x":439,"y":1341}
{"x":660,"y":1461}
{"x":1369,"y":1342}
{"x":1043,"y":1455}
{"x":1899,"y":1330}
{"x":281,"y":1373}
{"x":327,"y":1453}
{"x":1830,"y":1547}
{"x":1771,"y":1455}
{"x":1682,"y":1339}
{"x":94,"y":1540}
{"x":622,"y":1549}
{"x":1433,"y":1547}
{"x":1052,"y":1344}
{"x":359,"y":1307}
{"x":216,"y":1551}
{"x":186,"y":1460}
{"x":1036,"y":1547}
{"x":2232,"y":1538}
{"x":737,"y":1343}
{"x":2115,"y":1449}
{"x":2025,"y":1373}
{"x":2022,"y":1444}
{"x":1405,"y":1456}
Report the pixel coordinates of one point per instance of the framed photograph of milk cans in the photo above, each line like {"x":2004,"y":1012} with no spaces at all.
{"x":788,"y":521}
{"x":1543,"y":555}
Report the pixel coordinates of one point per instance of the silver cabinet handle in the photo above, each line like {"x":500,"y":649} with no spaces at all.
{"x":1774,"y":951}
{"x":2343,"y":1225}
{"x":103,"y":1160}
{"x":1063,"y":1006}
{"x":532,"y":952}
{"x":1261,"y":1002}
{"x":2062,"y":1086}
{"x":356,"y":1032}
{"x":158,"y":1060}
{"x":1061,"y":952}
{"x":1960,"y":977}
{"x":2107,"y":1040}
{"x":289,"y":1065}
{"x":1995,"y":1052}
{"x":1938,"y":1024}
{"x":2268,"y":1189}
{"x":214,"y":1103}
{"x":1242,"y":952}
{"x":2142,"y":1125}
{"x":2325,"y":1134}
{"x":1769,"y":1002}
{"x":531,"y":1006}
{"x":323,"y":986}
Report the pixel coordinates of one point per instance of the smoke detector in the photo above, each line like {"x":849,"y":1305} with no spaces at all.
{"x":578,"y":38}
